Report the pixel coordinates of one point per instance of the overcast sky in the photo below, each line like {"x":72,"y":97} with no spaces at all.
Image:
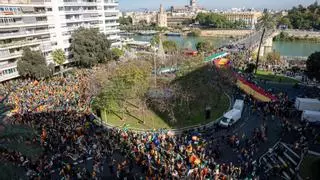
{"x":213,"y":4}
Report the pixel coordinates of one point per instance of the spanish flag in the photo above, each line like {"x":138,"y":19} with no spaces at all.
{"x":255,"y":91}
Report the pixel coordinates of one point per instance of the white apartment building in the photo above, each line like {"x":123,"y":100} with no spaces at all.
{"x":47,"y":25}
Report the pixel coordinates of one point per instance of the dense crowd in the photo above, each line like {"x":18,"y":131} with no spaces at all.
{"x":69,"y":136}
{"x":58,"y":93}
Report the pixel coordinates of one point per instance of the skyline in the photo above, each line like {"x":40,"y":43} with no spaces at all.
{"x":126,"y":5}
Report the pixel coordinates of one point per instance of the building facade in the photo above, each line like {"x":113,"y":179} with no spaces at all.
{"x":249,"y":18}
{"x":148,"y":18}
{"x":47,"y":25}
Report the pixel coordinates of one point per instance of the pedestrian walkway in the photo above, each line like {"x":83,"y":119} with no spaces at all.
{"x":281,"y":161}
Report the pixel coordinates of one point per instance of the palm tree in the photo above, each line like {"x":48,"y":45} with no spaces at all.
{"x":267,"y":22}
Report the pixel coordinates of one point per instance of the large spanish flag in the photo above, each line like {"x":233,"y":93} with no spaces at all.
{"x":257,"y":92}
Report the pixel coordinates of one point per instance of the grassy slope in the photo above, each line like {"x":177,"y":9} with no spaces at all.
{"x":265,"y":75}
{"x":194,"y":83}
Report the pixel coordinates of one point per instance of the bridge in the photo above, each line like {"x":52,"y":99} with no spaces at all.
{"x":252,"y":41}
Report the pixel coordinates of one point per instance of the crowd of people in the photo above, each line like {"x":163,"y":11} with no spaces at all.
{"x":58,"y":93}
{"x":58,"y":109}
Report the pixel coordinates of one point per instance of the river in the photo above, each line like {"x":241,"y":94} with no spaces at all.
{"x":187,"y":41}
{"x":295,"y":48}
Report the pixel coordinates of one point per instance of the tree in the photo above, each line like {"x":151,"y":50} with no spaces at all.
{"x":266,"y":22}
{"x":204,"y":46}
{"x":117,"y":53}
{"x":305,"y":17}
{"x":59,"y":58}
{"x":273,"y":58}
{"x":214,"y":20}
{"x":285,"y":21}
{"x":155,"y":40}
{"x":170,"y":46}
{"x":125,"y":21}
{"x":90,"y":47}
{"x":313,"y":66}
{"x":250,"y":68}
{"x":33,"y":65}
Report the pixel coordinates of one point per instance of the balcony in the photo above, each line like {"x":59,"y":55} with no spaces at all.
{"x":23,"y":43}
{"x":112,"y":31}
{"x":111,"y":17}
{"x":10,"y":56}
{"x":34,"y":14}
{"x":81,"y":3}
{"x":22,"y":24}
{"x":5,"y":77}
{"x":112,"y":24}
{"x":82,"y":19}
{"x":72,"y":28}
{"x":22,"y":34}
{"x":79,"y":11}
{"x":111,"y":10}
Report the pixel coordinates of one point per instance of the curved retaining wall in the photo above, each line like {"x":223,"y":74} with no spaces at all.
{"x":176,"y":131}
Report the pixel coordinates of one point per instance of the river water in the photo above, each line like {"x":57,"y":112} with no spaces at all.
{"x":296,"y":48}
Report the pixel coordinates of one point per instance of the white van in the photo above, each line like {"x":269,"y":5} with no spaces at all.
{"x":234,"y":115}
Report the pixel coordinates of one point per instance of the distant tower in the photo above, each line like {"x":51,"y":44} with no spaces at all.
{"x":193,"y":3}
{"x":162,"y":17}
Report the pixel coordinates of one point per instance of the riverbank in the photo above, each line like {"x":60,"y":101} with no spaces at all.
{"x":225,"y":33}
{"x":292,"y":36}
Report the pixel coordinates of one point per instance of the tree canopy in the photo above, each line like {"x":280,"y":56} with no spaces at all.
{"x":273,"y":58}
{"x":125,"y":20}
{"x":90,"y":47}
{"x":204,"y":46}
{"x":33,"y":64}
{"x":170,"y":46}
{"x":218,"y":21}
{"x":303,"y":17}
{"x":155,"y":40}
{"x":117,"y":53}
{"x":126,"y":81}
{"x":250,"y":68}
{"x":267,"y":21}
{"x":58,"y":56}
{"x":313,"y":66}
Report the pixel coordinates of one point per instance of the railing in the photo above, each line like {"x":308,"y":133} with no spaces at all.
{"x":10,"y":55}
{"x":22,"y":43}
{"x":176,"y":131}
{"x":23,"y":24}
{"x":80,"y":11}
{"x":7,"y":35}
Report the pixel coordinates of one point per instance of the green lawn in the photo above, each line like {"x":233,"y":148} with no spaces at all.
{"x":310,"y":167}
{"x":265,"y":75}
{"x":154,"y":121}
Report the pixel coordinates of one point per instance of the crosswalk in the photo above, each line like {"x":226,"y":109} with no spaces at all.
{"x":281,"y":160}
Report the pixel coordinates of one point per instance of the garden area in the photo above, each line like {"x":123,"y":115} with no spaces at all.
{"x":134,"y":97}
